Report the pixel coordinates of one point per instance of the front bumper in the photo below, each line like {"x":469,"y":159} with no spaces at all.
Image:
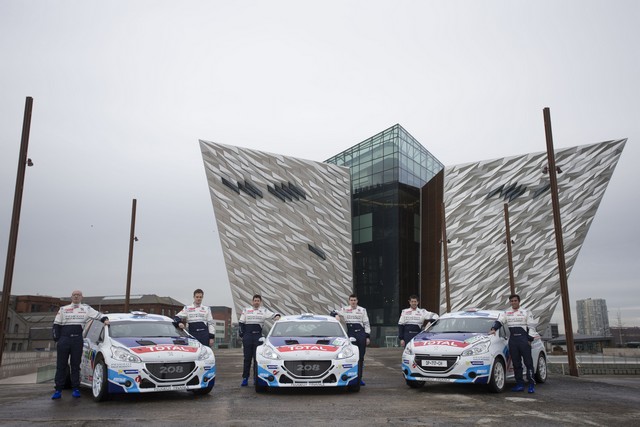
{"x":156,"y":377}
{"x":457,"y":370}
{"x":307,"y":373}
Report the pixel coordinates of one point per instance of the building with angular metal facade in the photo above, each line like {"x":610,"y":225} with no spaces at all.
{"x":285,"y":228}
{"x":388,"y":194}
{"x":474,"y":198}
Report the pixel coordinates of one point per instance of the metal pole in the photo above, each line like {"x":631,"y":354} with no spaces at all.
{"x":131,"y":239}
{"x":446,"y":259}
{"x":15,"y":222}
{"x":562,"y":268}
{"x":512,"y":283}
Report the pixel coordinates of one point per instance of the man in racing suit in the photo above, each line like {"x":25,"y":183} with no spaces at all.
{"x":199,"y":319}
{"x":67,"y":332}
{"x":251,"y":322}
{"x":357,"y":327}
{"x":521,"y":333}
{"x":412,"y":320}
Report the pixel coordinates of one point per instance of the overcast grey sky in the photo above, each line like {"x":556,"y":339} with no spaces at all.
{"x":123,"y":90}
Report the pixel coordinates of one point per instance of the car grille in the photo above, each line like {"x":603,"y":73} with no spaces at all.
{"x":170,"y":371}
{"x":307,"y":368}
{"x":450,"y":362}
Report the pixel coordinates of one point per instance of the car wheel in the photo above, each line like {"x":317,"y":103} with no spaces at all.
{"x":415,"y":384}
{"x":203,"y":391}
{"x":99,"y":383}
{"x":353,"y":388}
{"x":498,"y":376}
{"x":541,"y":369}
{"x":260,"y":387}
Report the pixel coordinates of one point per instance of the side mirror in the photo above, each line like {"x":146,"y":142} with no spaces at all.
{"x":261,"y":340}
{"x":353,"y":340}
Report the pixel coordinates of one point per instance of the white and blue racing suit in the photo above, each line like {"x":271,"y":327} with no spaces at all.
{"x":522,"y":330}
{"x":67,"y":332}
{"x":411,"y":321}
{"x":200,"y":321}
{"x":251,"y":323}
{"x":358,"y":327}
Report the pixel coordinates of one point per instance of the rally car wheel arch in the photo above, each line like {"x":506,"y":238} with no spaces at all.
{"x":99,"y":383}
{"x":260,"y":388}
{"x":541,"y":369}
{"x":498,"y":376}
{"x":353,"y":388}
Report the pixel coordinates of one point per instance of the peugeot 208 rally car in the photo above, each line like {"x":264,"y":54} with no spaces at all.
{"x":143,"y":353}
{"x":307,"y":351}
{"x":457,"y":348}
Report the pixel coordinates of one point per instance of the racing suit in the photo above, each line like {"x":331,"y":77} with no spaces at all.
{"x":357,"y":327}
{"x":251,"y":323}
{"x":521,"y":333}
{"x":67,"y":332}
{"x":411,"y":321}
{"x":200,"y":322}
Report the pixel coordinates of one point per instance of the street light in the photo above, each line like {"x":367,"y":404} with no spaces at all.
{"x":15,"y":221}
{"x":508,"y":241}
{"x":562,"y":268}
{"x":132,"y":238}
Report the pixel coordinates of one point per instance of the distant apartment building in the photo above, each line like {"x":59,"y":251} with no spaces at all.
{"x":593,"y":317}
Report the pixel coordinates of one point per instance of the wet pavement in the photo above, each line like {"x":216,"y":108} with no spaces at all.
{"x":385,"y":400}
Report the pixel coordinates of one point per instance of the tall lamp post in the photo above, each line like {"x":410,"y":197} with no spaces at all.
{"x":562,"y":267}
{"x":23,"y":161}
{"x":512,"y":282}
{"x":132,"y":238}
{"x":445,"y":250}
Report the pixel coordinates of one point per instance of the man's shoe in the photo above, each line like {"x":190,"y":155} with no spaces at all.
{"x":75,"y":393}
{"x":532,"y":388}
{"x":245,"y":382}
{"x":518,"y":387}
{"x":56,"y":394}
{"x":362,"y":383}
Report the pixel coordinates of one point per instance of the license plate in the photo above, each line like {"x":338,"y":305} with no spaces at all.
{"x":439,"y":363}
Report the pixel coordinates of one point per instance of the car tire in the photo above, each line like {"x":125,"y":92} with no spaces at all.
{"x":415,"y":384}
{"x":260,"y":388}
{"x":203,"y":391}
{"x":541,"y":369}
{"x":100,"y":384}
{"x":353,"y":388}
{"x":498,"y":376}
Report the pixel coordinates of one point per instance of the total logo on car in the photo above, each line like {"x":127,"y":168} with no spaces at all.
{"x":458,"y":348}
{"x":307,"y":351}
{"x":143,"y":353}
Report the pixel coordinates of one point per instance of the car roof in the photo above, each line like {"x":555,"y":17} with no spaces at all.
{"x":137,"y":316}
{"x":473,"y":313}
{"x":305,"y":317}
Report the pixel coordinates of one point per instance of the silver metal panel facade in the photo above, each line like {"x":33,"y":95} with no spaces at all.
{"x":478,"y":263}
{"x":266,"y":232}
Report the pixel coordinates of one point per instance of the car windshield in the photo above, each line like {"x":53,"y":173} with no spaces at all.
{"x":144,"y":329}
{"x":307,"y":329}
{"x":462,"y":324}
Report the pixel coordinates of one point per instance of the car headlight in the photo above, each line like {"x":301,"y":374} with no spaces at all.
{"x":124,"y":355}
{"x":205,"y":353}
{"x":408,"y":350}
{"x":346,"y":352}
{"x":479,"y":348}
{"x":269,"y":353}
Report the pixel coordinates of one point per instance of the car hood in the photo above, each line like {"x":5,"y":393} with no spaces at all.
{"x":446,"y":343}
{"x":307,"y":345}
{"x":154,"y":348}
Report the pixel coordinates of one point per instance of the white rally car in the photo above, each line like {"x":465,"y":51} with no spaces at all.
{"x":457,"y":348}
{"x":143,"y":353}
{"x":307,"y":351}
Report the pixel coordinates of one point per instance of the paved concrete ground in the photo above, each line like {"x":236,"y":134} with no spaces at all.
{"x":385,"y":400}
